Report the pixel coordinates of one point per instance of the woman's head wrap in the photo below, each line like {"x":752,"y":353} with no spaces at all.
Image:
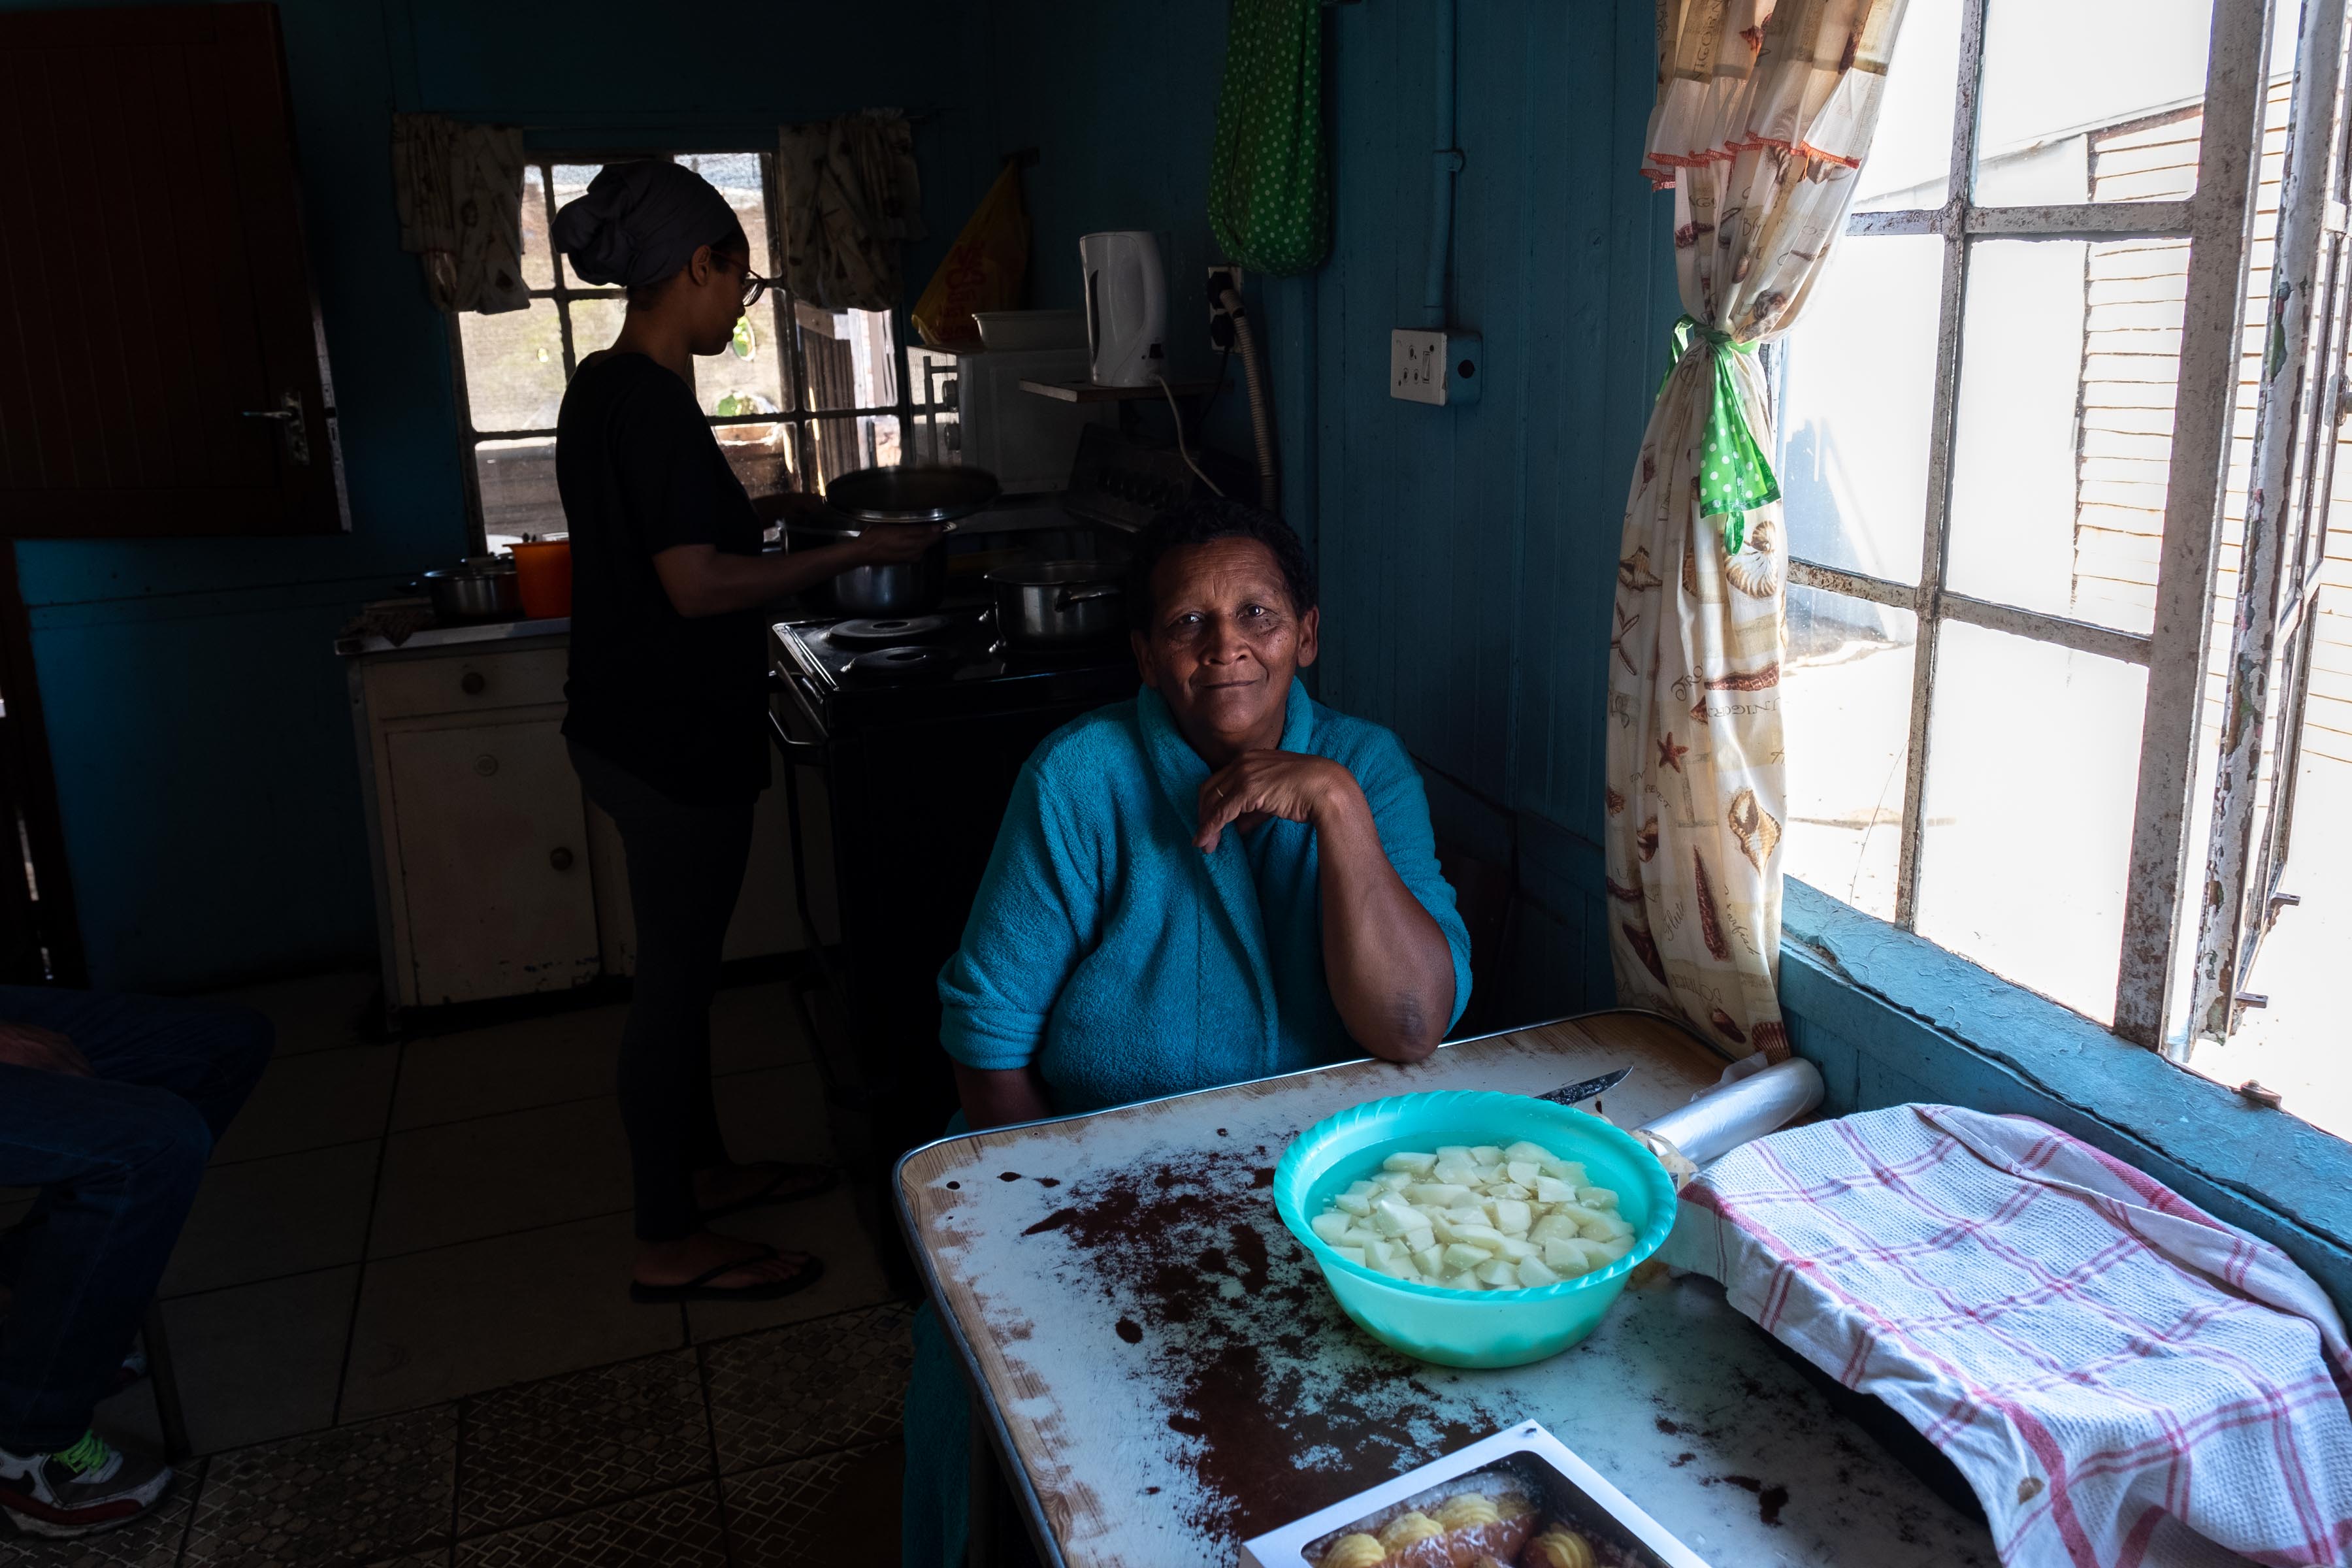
{"x":640,"y":222}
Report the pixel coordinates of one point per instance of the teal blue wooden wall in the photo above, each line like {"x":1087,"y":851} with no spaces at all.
{"x":1468,"y":554}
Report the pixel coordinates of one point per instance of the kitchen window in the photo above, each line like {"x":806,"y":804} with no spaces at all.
{"x":803,"y":395}
{"x":2029,"y":374}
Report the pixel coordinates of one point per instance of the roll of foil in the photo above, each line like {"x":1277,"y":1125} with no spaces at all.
{"x":1731,"y":1114}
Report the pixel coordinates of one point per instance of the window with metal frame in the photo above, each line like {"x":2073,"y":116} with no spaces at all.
{"x":2017,"y":487}
{"x":802,"y":395}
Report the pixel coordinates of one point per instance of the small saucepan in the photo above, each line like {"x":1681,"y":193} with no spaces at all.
{"x":1052,"y":603}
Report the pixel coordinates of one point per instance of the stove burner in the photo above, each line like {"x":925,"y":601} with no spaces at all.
{"x":915,"y":663}
{"x":894,"y":632}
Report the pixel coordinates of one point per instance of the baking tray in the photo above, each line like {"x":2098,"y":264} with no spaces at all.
{"x":1537,"y":1484}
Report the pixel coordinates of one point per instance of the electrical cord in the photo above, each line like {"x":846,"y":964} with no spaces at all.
{"x":1183,"y":451}
{"x":1208,"y":403}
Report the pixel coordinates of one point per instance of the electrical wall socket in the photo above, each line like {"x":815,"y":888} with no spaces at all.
{"x":1216,"y":311}
{"x":1436,"y":367}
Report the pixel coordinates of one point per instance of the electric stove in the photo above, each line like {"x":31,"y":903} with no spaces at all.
{"x":917,"y":727}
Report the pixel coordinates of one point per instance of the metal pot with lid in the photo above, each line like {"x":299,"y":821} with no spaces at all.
{"x":892,"y":498}
{"x":485,"y":588}
{"x":1053,"y":602}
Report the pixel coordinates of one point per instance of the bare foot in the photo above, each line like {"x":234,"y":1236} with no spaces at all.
{"x":688,"y":1257}
{"x":724,"y":1186}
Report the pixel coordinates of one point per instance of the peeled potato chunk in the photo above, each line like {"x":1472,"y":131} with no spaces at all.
{"x":1461,"y":1257}
{"x":1476,"y":1217}
{"x":1573,"y":1255}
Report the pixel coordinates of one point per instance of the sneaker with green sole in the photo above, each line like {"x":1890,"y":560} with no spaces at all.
{"x":76,"y":1490}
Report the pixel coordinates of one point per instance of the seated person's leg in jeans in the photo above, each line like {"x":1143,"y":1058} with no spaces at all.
{"x":111,"y":1105}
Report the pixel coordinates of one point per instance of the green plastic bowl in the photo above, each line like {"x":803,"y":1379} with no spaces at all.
{"x":1463,"y":1327}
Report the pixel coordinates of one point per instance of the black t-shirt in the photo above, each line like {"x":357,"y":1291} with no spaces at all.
{"x":678,"y":701}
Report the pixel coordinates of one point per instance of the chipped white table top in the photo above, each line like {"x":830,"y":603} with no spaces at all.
{"x":1165,"y":1367}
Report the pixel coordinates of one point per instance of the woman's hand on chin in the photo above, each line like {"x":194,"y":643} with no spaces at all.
{"x":1259,"y":784}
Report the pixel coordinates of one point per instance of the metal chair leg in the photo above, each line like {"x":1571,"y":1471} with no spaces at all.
{"x":162,"y":1376}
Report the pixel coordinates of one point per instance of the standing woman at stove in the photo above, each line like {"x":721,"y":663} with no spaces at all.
{"x":668,"y":693}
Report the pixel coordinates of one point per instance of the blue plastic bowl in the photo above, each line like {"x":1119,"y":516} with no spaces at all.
{"x":1464,"y":1328}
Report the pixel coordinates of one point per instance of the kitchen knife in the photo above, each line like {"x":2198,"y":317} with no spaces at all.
{"x":1573,"y":1092}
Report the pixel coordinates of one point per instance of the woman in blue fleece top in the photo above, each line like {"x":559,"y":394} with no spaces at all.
{"x":1220,"y":881}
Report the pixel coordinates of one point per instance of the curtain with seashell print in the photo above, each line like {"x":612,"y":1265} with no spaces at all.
{"x":1763,"y":116}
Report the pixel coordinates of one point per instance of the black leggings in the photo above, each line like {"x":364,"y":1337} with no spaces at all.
{"x":686,"y":867}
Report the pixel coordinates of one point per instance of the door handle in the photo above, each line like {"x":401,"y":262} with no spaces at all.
{"x":292,"y":422}
{"x":560,"y":857}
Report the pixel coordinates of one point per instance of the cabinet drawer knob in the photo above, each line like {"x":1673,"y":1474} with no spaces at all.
{"x":560,"y":857}
{"x":472,"y":683}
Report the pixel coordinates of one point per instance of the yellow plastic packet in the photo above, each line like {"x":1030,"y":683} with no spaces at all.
{"x":984,"y":270}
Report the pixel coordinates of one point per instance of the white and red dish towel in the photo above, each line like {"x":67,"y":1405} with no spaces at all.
{"x":2125,"y":1381}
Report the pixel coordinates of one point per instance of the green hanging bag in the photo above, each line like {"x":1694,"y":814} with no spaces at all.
{"x":1270,"y":171}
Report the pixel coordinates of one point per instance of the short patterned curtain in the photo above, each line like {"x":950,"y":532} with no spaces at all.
{"x":1763,"y":116}
{"x":851,"y":199}
{"x":459,"y":192}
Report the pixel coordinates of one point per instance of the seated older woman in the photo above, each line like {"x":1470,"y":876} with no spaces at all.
{"x":1220,"y":881}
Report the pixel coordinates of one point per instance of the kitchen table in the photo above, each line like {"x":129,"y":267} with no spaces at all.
{"x":1163,"y":1375}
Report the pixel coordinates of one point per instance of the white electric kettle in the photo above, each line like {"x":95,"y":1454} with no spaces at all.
{"x":1127,"y":307}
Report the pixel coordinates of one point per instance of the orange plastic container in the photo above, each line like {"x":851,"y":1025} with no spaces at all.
{"x":543,"y":570}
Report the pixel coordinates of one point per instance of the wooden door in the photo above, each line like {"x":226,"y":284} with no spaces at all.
{"x":39,"y":943}
{"x":493,"y":867}
{"x":162,"y":369}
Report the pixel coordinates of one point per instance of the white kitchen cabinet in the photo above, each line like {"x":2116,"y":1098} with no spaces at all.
{"x":494,"y":876}
{"x":492,"y":844}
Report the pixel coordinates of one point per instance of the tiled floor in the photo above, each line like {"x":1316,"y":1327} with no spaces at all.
{"x":402,"y":1331}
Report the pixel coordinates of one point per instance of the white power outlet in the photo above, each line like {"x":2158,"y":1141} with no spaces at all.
{"x":1417,"y":365}
{"x":1217,"y":312}
{"x":1435,"y":367}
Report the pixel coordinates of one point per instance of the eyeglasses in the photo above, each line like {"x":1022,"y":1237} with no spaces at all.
{"x":753,"y":287}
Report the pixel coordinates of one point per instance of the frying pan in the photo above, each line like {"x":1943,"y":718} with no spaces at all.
{"x":911,"y":494}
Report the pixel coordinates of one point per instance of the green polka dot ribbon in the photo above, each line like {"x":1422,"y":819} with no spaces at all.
{"x":1270,"y":167}
{"x":1734,"y":479}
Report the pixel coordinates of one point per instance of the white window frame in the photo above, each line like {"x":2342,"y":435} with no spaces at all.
{"x":783,"y":327}
{"x":2217,"y":222}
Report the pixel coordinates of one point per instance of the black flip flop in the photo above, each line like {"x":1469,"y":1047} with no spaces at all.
{"x":773,"y":1194}
{"x":699,"y":1287}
